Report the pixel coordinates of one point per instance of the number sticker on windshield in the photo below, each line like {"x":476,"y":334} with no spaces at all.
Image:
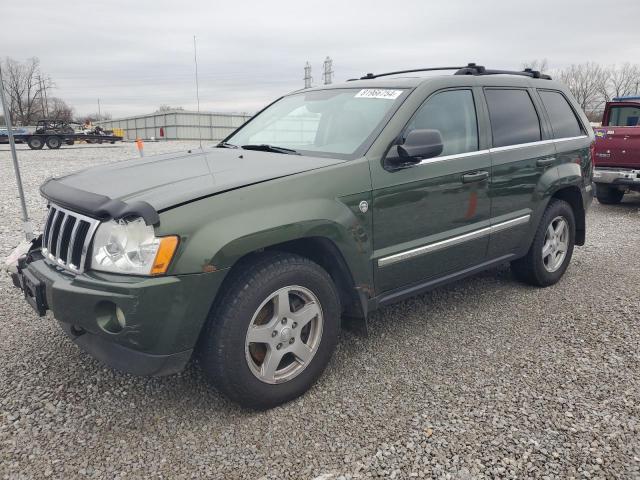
{"x":379,"y":93}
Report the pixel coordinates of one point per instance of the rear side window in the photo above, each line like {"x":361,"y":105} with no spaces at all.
{"x":513,"y":117}
{"x":563,"y":120}
{"x":453,"y":114}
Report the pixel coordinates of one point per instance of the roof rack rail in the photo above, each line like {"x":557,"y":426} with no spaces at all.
{"x":369,"y":76}
{"x":473,"y":69}
{"x":469,"y":69}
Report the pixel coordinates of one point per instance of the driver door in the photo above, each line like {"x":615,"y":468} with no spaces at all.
{"x":431,"y":219}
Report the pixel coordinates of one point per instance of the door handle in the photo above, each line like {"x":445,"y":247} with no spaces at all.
{"x":543,"y":162}
{"x":474,"y":177}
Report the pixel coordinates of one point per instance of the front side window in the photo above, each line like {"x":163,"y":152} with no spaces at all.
{"x":513,"y":117}
{"x":333,"y":122}
{"x":563,"y":120}
{"x":624,"y":116}
{"x":453,"y":114}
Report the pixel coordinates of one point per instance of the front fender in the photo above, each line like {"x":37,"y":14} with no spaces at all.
{"x":217,"y":231}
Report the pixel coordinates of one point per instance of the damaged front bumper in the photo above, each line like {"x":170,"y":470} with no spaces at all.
{"x":140,"y":325}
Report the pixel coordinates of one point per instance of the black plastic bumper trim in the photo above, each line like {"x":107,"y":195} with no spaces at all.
{"x":125,"y":359}
{"x":94,"y":205}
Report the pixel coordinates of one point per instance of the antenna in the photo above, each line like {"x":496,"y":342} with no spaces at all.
{"x":307,"y":76}
{"x":328,"y":71}
{"x":195,"y":60}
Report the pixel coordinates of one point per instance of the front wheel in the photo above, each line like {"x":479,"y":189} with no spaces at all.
{"x":272,"y":332}
{"x":551,"y":249}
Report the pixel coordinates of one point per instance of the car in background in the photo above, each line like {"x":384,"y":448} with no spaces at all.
{"x":617,"y":150}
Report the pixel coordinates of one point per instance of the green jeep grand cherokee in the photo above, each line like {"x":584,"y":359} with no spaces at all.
{"x":329,"y":203}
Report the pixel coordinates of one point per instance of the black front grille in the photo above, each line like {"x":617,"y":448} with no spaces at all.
{"x":66,"y":238}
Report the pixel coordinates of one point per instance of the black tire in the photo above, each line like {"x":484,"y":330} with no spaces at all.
{"x":222,"y":348}
{"x":608,"y":195}
{"x":531,"y":268}
{"x":35,"y":143}
{"x":54,"y":142}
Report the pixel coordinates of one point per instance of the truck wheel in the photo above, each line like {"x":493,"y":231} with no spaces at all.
{"x":608,"y":195}
{"x":552,"y":247}
{"x":35,"y":143}
{"x":271,"y":333}
{"x":54,"y":142}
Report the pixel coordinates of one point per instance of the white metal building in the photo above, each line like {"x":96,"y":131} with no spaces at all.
{"x":178,"y":125}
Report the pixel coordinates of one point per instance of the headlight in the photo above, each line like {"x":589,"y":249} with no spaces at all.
{"x":130,"y":246}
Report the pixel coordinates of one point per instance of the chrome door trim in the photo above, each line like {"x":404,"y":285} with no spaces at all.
{"x":518,"y":146}
{"x":534,"y":144}
{"x":432,"y":247}
{"x":456,"y":156}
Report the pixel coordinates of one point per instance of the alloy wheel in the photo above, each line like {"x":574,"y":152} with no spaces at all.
{"x":556,"y":243}
{"x":284,"y":334}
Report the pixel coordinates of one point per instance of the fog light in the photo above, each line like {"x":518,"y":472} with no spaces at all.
{"x":110,"y":317}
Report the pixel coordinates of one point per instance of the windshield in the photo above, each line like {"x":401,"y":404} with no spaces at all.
{"x":338,"y":122}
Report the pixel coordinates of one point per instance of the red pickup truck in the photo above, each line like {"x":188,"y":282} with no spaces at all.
{"x":617,"y":150}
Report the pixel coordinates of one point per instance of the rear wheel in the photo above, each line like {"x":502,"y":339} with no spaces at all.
{"x":272,"y":332}
{"x":551,"y":249}
{"x":54,"y":142}
{"x":35,"y":143}
{"x":608,"y":195}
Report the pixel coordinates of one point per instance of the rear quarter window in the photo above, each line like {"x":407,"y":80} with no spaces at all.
{"x":513,"y":117}
{"x":562,"y":117}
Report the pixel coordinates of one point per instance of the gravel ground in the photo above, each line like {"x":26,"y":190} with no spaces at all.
{"x":485,"y":378}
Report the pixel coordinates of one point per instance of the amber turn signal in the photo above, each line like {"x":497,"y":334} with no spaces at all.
{"x":167,"y":248}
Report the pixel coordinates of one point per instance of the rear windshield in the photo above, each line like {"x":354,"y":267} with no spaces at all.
{"x":624,"y":116}
{"x":335,"y":122}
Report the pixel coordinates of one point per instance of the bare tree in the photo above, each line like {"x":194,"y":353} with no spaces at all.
{"x":59,"y":110}
{"x":621,"y":81}
{"x":93,"y":117}
{"x":26,"y":89}
{"x":585,"y":81}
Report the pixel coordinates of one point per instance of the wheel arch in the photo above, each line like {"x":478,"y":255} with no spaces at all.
{"x":573,"y":196}
{"x":326,"y":253}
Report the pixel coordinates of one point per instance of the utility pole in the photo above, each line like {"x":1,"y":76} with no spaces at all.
{"x":307,"y":76}
{"x":328,"y":71}
{"x":26,"y":223}
{"x":99,"y":113}
{"x":42,"y":96}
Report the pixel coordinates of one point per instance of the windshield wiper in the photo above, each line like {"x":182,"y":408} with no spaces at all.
{"x":270,"y":148}
{"x":226,"y":145}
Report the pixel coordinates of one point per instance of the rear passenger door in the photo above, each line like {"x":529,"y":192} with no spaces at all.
{"x":521,"y":151}
{"x":568,"y":134}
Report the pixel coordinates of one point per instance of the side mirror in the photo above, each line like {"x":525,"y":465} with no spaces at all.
{"x":418,"y":145}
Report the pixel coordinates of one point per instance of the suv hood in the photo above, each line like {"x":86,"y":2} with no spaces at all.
{"x":166,"y":180}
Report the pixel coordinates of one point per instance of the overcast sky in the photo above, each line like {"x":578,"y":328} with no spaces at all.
{"x":137,"y":55}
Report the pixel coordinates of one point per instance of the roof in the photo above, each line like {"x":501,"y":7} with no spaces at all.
{"x":416,"y":80}
{"x":626,"y":99}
